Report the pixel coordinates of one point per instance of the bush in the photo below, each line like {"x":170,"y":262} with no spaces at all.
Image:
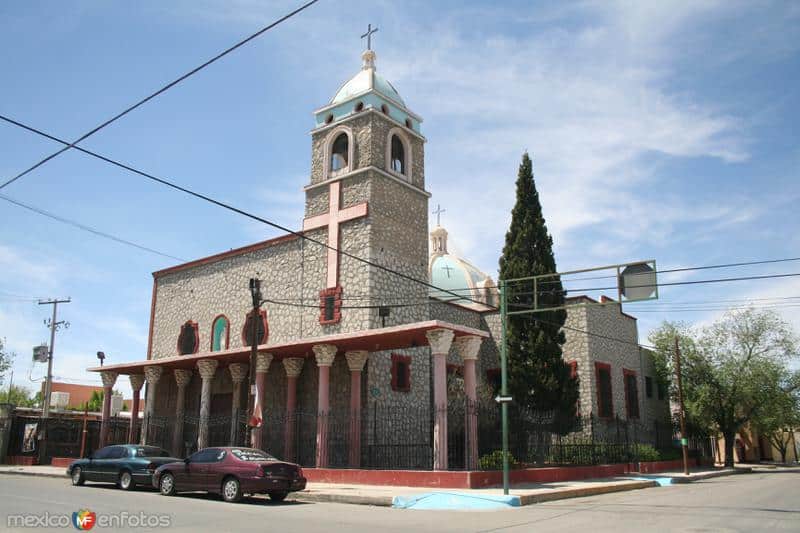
{"x":494,"y":461}
{"x":648,"y":453}
{"x":670,"y":454}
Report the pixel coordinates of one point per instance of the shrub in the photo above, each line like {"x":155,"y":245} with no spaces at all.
{"x":647,"y":453}
{"x":494,"y":461}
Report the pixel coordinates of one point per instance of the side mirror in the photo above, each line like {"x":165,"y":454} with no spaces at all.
{"x":91,"y":455}
{"x":186,"y":461}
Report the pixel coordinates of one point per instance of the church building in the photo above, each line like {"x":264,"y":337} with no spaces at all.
{"x":361,"y":338}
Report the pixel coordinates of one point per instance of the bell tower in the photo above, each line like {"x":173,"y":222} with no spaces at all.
{"x":367,"y":198}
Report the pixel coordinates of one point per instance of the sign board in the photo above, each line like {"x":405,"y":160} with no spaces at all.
{"x":29,"y":438}
{"x":40,"y":353}
{"x":637,"y":282}
{"x":684,"y":442}
{"x":503,"y":399}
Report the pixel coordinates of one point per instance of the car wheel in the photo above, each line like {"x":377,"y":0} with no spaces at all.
{"x":167,"y":485}
{"x":77,"y":476}
{"x":278,"y":496}
{"x":231,"y":490}
{"x":126,"y":481}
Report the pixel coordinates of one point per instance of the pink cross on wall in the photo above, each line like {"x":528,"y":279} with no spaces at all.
{"x":332,"y":219}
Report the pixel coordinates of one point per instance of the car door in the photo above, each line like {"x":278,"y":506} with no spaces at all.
{"x":215,"y":470}
{"x":92,"y":471}
{"x":192,"y":475}
{"x":116,"y":457}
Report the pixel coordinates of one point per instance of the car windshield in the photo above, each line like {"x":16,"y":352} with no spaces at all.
{"x":150,"y":451}
{"x":251,"y":454}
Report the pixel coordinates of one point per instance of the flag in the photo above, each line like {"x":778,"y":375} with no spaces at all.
{"x":255,"y":418}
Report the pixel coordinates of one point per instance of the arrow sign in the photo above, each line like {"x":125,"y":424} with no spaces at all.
{"x":503,"y":399}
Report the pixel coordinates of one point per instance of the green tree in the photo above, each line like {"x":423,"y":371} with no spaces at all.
{"x":6,"y":360}
{"x":731,"y":369}
{"x":19,"y":396}
{"x":538,"y":377}
{"x":95,"y":403}
{"x":779,"y":421}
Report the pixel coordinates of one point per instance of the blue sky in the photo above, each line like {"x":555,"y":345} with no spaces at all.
{"x":658,"y":130}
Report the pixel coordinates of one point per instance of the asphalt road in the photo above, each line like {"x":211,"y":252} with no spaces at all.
{"x":752,"y":502}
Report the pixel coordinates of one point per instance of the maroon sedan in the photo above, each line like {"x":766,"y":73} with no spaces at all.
{"x":231,"y":472}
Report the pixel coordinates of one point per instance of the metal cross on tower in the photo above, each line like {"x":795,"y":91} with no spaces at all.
{"x":438,"y":212}
{"x":368,"y":35}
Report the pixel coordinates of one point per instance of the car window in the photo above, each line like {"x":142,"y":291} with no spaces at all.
{"x":150,"y":451}
{"x":117,"y":452}
{"x":251,"y":454}
{"x":101,"y":453}
{"x":209,"y":455}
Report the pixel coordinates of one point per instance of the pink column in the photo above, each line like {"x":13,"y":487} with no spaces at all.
{"x":440,"y":341}
{"x":137,"y":380}
{"x":468,"y":347}
{"x":325,"y":354}
{"x":355,"y":361}
{"x":263,"y":360}
{"x":109,"y":378}
{"x":293,"y":367}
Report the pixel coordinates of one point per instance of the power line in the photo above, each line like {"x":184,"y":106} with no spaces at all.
{"x":86,"y":228}
{"x":229,"y":207}
{"x":158,"y":92}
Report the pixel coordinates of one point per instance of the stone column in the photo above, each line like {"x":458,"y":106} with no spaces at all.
{"x":293,"y":367}
{"x":238,"y":374}
{"x":468,"y":347}
{"x":263,"y":360}
{"x":151,"y":374}
{"x":207,"y":368}
{"x":440,"y":341}
{"x":355,"y":361}
{"x":325,"y":353}
{"x":137,"y":380}
{"x":109,"y":378}
{"x":182,"y":378}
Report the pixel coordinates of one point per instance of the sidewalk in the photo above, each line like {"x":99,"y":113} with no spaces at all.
{"x":384,"y":495}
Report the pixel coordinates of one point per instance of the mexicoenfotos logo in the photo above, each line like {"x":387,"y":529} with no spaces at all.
{"x":84,"y":519}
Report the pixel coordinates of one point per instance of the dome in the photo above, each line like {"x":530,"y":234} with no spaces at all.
{"x":365,"y":80}
{"x":449,"y":272}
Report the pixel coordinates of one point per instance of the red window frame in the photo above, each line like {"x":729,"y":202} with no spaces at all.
{"x":397,"y":359}
{"x":336,"y":293}
{"x":263,"y":314}
{"x":598,"y":366}
{"x":625,"y":375}
{"x":573,"y":368}
{"x":193,"y":325}
{"x":227,"y":332}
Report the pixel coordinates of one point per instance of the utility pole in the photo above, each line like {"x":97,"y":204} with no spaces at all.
{"x":54,"y":325}
{"x":684,"y":439}
{"x":255,"y":293}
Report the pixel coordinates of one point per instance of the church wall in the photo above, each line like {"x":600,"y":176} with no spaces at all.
{"x":654,"y":409}
{"x":607,"y":320}
{"x":576,"y":348}
{"x":205,"y":291}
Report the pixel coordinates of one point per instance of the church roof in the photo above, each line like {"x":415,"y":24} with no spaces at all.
{"x":449,"y":272}
{"x":366,"y":79}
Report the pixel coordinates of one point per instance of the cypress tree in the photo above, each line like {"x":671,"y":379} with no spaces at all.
{"x":538,"y":377}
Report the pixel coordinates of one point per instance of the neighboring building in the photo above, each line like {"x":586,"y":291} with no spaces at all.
{"x":750,"y":447}
{"x":352,"y":360}
{"x":71,"y":396}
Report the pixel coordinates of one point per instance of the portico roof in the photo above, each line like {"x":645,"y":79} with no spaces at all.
{"x":373,"y":340}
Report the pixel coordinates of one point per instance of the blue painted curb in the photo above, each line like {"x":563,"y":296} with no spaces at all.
{"x":662,"y":481}
{"x":455,"y":501}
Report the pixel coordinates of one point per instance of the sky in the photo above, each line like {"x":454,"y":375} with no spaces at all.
{"x":658,"y":130}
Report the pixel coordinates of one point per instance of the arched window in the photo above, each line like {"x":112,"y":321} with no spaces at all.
{"x":188,"y":339}
{"x":398,"y":159}
{"x":339,"y":152}
{"x":260,"y":323}
{"x":220,"y":334}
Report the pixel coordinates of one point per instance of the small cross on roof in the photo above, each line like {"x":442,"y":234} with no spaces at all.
{"x":368,"y":35}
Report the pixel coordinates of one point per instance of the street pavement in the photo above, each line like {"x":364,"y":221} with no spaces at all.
{"x":761,"y":501}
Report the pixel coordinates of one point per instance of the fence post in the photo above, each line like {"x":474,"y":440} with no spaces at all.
{"x":591,"y":426}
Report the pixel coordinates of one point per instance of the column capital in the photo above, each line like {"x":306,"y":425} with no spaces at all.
{"x":263,"y":360}
{"x":325,"y":353}
{"x":293,"y":366}
{"x":153,"y":373}
{"x":207,"y":368}
{"x":440,"y":340}
{"x":356,"y":359}
{"x":468,"y":346}
{"x":109,"y":378}
{"x":137,"y":381}
{"x":183,"y":376}
{"x":238,"y":371}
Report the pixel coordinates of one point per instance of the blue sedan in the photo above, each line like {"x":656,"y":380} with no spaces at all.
{"x":127,"y":465}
